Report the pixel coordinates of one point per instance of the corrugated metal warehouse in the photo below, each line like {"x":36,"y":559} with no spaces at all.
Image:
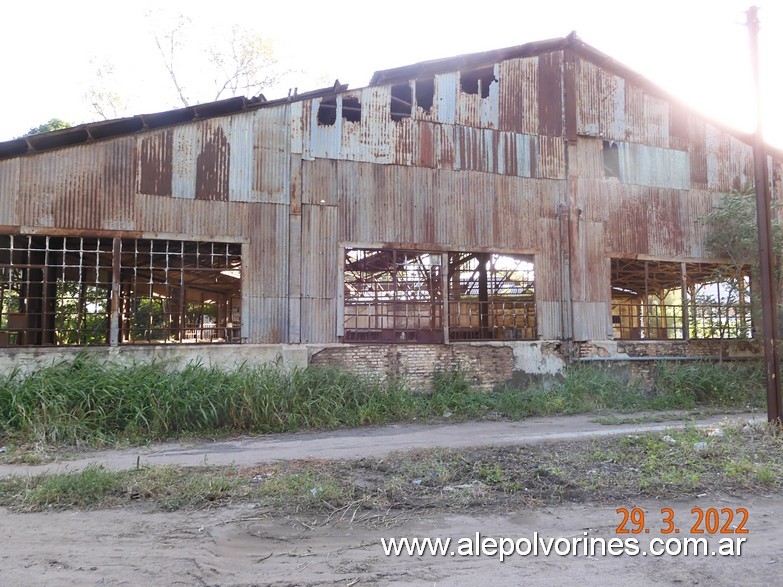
{"x":507,"y":211}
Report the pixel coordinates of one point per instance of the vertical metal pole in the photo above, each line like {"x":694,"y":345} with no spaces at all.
{"x":444,"y":288}
{"x":686,"y":335}
{"x":114,"y":303}
{"x":483,"y":295}
{"x":766,"y":251}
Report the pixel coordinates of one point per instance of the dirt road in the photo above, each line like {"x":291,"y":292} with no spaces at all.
{"x":243,"y":546}
{"x":247,"y":545}
{"x":371,"y":441}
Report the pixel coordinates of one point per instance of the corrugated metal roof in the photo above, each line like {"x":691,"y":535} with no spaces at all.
{"x":443,"y":70}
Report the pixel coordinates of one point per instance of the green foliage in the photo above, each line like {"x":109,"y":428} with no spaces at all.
{"x":52,"y":124}
{"x":454,"y":394}
{"x":88,"y":402}
{"x":80,"y":489}
{"x":671,"y":464}
{"x":686,"y":385}
{"x":81,"y":313}
{"x":733,"y":234}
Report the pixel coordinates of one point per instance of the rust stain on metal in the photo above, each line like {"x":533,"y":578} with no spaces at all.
{"x":518,"y":109}
{"x":155,"y":163}
{"x":570,"y":67}
{"x":446,"y":147}
{"x":403,"y":141}
{"x":212,"y":165}
{"x":426,"y":145}
{"x":550,"y":94}
{"x":679,"y":128}
{"x":296,"y":185}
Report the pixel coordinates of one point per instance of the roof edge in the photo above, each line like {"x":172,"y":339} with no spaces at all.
{"x":105,"y":129}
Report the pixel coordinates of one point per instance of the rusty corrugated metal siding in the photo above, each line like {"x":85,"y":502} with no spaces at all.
{"x":319,"y":320}
{"x":477,"y":171}
{"x":9,"y":191}
{"x":266,"y":226}
{"x":697,"y":148}
{"x":519,"y":98}
{"x":155,"y":162}
{"x":81,"y":187}
{"x":591,"y":320}
{"x":550,"y":94}
{"x":319,"y":231}
{"x":654,"y":166}
{"x":264,"y":320}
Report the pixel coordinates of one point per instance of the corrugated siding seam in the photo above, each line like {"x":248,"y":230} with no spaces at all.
{"x":9,"y":190}
{"x":187,"y":146}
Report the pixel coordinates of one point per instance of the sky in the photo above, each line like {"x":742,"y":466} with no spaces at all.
{"x":697,"y":50}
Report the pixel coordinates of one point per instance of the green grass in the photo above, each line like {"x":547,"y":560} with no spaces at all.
{"x":91,"y":403}
{"x":691,"y":461}
{"x":687,"y":385}
{"x":171,"y":488}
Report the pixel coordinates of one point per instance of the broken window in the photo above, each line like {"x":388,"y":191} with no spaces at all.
{"x":478,"y":81}
{"x":59,"y":291}
{"x":397,"y":296}
{"x":401,"y":106}
{"x":327,"y":112}
{"x":611,"y":157}
{"x":491,"y":297}
{"x":393,"y":296}
{"x":179,"y":291}
{"x":54,"y":290}
{"x":352,"y":109}
{"x":425,"y":94}
{"x":660,"y":300}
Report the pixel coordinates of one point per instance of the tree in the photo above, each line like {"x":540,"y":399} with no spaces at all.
{"x":241,"y":62}
{"x":105,"y":101}
{"x":732,"y":231}
{"x":732,"y":234}
{"x":201,"y":66}
{"x":52,"y":124}
{"x":245,"y":65}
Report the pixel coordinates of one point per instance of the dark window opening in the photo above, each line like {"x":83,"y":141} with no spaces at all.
{"x":352,"y":109}
{"x":660,"y":300}
{"x":57,"y":291}
{"x":611,"y":154}
{"x":397,"y":296}
{"x":327,"y":112}
{"x":478,"y":81}
{"x":401,"y":106}
{"x":425,"y":94}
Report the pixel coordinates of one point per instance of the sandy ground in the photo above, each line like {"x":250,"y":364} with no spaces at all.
{"x":245,"y":546}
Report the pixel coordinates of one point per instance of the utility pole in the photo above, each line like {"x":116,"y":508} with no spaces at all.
{"x":766,"y":250}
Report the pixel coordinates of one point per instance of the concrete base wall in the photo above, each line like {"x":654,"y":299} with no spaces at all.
{"x":223,"y":356}
{"x":637,"y":361}
{"x":487,"y":365}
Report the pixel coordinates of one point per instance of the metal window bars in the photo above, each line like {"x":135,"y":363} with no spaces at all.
{"x":397,"y":296}
{"x":68,"y":290}
{"x":660,"y":300}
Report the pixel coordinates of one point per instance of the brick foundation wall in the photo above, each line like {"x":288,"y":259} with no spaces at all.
{"x":726,"y":349}
{"x":638,"y":360}
{"x":486,"y":366}
{"x":692,"y":349}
